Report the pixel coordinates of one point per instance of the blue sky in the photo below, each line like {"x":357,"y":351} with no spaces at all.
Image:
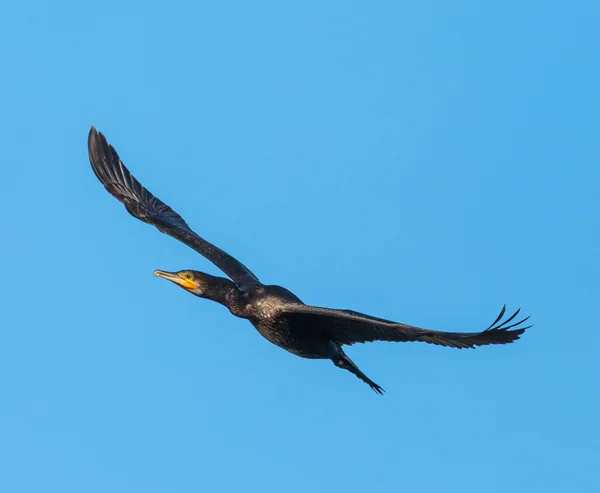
{"x":417,"y":160}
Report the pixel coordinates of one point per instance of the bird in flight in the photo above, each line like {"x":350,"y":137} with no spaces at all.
{"x":278,"y":314}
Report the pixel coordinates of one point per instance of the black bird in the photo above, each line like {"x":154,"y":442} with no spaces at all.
{"x":278,"y":314}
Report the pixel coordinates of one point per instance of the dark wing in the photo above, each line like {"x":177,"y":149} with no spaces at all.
{"x":348,"y":327}
{"x":140,"y":203}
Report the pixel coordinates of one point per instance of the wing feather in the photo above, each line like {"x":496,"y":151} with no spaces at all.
{"x":349,"y":327}
{"x":141,"y":204}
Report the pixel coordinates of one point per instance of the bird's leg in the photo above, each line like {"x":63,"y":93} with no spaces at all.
{"x":341,"y":360}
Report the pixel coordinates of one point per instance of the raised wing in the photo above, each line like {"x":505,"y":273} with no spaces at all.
{"x":141,"y":204}
{"x":348,"y":327}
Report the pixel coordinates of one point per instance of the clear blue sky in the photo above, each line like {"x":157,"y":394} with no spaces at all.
{"x":417,"y":160}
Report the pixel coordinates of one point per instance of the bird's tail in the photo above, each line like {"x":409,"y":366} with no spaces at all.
{"x":347,"y":364}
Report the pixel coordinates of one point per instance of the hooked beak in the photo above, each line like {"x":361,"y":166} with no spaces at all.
{"x":176,"y":278}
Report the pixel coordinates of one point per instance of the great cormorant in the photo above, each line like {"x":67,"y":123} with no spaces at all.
{"x":279,"y":315}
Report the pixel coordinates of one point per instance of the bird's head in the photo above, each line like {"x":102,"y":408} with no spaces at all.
{"x":190,"y":280}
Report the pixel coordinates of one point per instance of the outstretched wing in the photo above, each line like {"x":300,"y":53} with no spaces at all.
{"x":348,"y":327}
{"x":140,"y":203}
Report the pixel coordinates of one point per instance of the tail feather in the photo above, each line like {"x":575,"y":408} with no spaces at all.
{"x":347,"y":364}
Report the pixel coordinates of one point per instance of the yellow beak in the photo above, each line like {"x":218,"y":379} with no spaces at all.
{"x":176,"y":278}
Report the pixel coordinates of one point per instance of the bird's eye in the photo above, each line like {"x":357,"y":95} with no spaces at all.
{"x":188,"y":276}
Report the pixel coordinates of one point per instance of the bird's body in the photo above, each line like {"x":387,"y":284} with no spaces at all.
{"x":276,"y":313}
{"x":264,"y":307}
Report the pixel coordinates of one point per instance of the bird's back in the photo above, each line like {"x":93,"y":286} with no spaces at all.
{"x":268,"y":308}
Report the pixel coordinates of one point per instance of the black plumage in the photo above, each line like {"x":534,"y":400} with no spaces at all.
{"x":277,"y":314}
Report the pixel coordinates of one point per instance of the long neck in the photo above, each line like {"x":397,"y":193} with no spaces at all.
{"x":225,"y":292}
